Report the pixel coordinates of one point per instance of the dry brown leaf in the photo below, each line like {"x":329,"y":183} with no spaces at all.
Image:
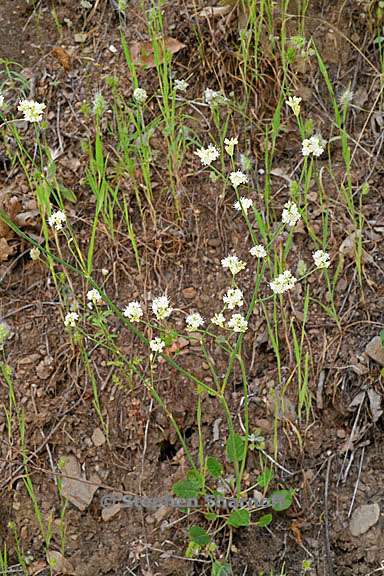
{"x":62,"y":57}
{"x":5,"y":250}
{"x":215,"y":11}
{"x":142,"y":53}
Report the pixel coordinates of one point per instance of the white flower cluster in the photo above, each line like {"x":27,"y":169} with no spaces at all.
{"x":237,"y":178}
{"x":233,"y":298}
{"x":258,"y":251}
{"x":1,"y":100}
{"x":229,"y":145}
{"x":140,"y":95}
{"x":33,"y":111}
{"x":234,"y":264}
{"x":238,"y":323}
{"x":157,"y":345}
{"x":321,"y":259}
{"x":57,"y":220}
{"x":243,"y":204}
{"x":291,"y":214}
{"x":208,"y":155}
{"x":161,"y":307}
{"x":218,"y":319}
{"x":194,"y":321}
{"x":181,"y":85}
{"x":314,"y":145}
{"x":212,"y":97}
{"x":94,"y":298}
{"x":294,"y":103}
{"x":70,"y":319}
{"x":133,"y":311}
{"x":283,"y":282}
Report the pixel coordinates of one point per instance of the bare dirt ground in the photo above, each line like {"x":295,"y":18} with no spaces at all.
{"x":341,"y":459}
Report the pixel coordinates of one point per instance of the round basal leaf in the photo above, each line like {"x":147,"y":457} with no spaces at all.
{"x":264,"y":520}
{"x":210,"y":516}
{"x":214,"y":467}
{"x":186,"y":489}
{"x":281,"y":500}
{"x":235,"y":448}
{"x":221,"y":569}
{"x":238,"y":518}
{"x":199,"y":535}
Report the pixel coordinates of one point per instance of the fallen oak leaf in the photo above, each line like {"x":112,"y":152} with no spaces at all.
{"x":143,"y":53}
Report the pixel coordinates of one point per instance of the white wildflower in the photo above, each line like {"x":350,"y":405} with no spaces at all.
{"x":243,"y":204}
{"x":321,"y":259}
{"x":294,"y":103}
{"x":161,"y":307}
{"x":157,"y":345}
{"x":93,"y":297}
{"x":291,"y":214}
{"x":218,"y":319}
{"x":208,"y":155}
{"x":234,"y":264}
{"x":140,"y":95}
{"x":70,"y":319}
{"x":133,"y":311}
{"x":229,"y":145}
{"x":313,"y":145}
{"x":212,"y":97}
{"x":33,"y":111}
{"x":181,"y":85}
{"x":34,"y":253}
{"x":237,"y":178}
{"x":194,"y":321}
{"x":238,"y":323}
{"x":233,"y":298}
{"x":57,"y":220}
{"x":258,"y":251}
{"x":318,"y":145}
{"x":1,"y":100}
{"x":283,"y":282}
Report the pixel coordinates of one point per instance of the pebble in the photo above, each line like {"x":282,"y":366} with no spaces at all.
{"x":363,"y":518}
{"x":98,"y":437}
{"x":110,"y":511}
{"x":375,"y":350}
{"x":189,"y":293}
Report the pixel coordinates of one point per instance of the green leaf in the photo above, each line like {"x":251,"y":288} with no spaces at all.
{"x":221,"y":569}
{"x":214,"y":467}
{"x":66,"y":193}
{"x":264,"y":520}
{"x":265,"y":478}
{"x":238,"y":518}
{"x":199,"y":536}
{"x":186,"y":489}
{"x":281,"y":500}
{"x":235,"y":448}
{"x":210,"y":516}
{"x":196,"y":477}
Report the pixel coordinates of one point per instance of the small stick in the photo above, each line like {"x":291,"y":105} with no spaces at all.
{"x":357,"y":481}
{"x":326,"y":519}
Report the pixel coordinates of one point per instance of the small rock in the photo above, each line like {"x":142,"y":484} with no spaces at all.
{"x":81,"y":37}
{"x":189,"y":293}
{"x":375,"y":350}
{"x":162,"y":513}
{"x":363,"y":518}
{"x":58,"y":563}
{"x":110,"y":511}
{"x":76,"y":488}
{"x":98,"y":437}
